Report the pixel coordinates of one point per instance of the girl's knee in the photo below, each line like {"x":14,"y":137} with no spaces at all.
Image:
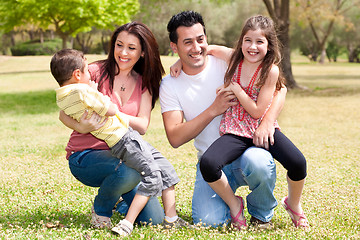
{"x":208,"y":168}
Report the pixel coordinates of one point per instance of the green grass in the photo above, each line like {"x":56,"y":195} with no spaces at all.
{"x":40,"y":199}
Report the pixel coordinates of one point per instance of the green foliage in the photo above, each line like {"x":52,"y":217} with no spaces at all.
{"x":68,"y":17}
{"x":333,"y":50}
{"x":36,"y":48}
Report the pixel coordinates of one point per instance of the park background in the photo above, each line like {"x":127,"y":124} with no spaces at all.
{"x":40,"y":199}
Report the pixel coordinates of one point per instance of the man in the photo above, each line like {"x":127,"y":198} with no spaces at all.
{"x":192,"y":97}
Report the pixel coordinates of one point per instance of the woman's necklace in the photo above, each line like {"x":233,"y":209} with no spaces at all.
{"x":122,"y":87}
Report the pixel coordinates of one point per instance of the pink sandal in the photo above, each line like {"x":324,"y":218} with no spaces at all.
{"x":235,"y":221}
{"x":302,"y":221}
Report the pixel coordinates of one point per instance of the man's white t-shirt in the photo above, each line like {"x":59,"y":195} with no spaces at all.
{"x":192,"y":94}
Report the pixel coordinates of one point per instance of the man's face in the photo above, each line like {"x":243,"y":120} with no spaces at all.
{"x":191,"y":48}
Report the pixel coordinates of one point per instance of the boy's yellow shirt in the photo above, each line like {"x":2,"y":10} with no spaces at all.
{"x":74,"y":99}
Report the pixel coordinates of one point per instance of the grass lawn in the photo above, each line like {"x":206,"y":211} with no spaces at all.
{"x":40,"y":199}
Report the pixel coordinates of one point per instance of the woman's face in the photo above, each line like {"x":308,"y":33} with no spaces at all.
{"x":127,"y":51}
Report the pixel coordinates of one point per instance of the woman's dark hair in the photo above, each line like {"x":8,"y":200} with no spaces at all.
{"x":185,"y":19}
{"x":273,"y":55}
{"x":149,"y":66}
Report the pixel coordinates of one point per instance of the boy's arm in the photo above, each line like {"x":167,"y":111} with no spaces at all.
{"x":111,"y":110}
{"x":265,"y":132}
{"x":179,"y":132}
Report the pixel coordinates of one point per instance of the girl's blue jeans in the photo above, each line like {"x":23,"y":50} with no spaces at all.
{"x":255,"y":169}
{"x":98,"y":168}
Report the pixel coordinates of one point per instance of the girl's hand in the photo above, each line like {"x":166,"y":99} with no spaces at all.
{"x":93,"y":85}
{"x":222,"y":88}
{"x":175,"y":69}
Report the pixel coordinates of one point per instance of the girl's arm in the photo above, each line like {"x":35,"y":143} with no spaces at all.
{"x":218,"y":51}
{"x":221,"y":52}
{"x":257,"y":109}
{"x":264,"y":134}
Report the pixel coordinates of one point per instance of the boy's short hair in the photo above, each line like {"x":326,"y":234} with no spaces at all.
{"x":65,"y":62}
{"x":185,"y":19}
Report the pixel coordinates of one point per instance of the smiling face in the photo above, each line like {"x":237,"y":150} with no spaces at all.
{"x":254,"y":46}
{"x":191,"y":48}
{"x":127,"y":51}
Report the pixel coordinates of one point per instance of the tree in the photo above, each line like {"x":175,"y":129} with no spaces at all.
{"x":279,"y":11}
{"x":67,"y":17}
{"x":322,"y":15}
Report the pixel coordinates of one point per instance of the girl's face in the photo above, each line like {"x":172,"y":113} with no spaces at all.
{"x":254,"y":46}
{"x":127,"y":51}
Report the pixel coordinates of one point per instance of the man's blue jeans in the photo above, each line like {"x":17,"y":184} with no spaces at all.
{"x":98,"y":168}
{"x":256,"y":169}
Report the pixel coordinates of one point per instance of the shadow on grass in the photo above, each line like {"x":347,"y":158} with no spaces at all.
{"x":37,"y":218}
{"x":24,"y":72}
{"x":325,"y":91}
{"x":37,"y":102}
{"x":328,"y":77}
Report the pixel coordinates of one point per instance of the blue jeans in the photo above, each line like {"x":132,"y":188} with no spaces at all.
{"x":256,"y":169}
{"x":98,"y":168}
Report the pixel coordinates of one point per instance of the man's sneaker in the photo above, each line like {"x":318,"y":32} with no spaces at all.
{"x":178,"y":223}
{"x":123,"y":228}
{"x":99,"y":221}
{"x":258,"y":224}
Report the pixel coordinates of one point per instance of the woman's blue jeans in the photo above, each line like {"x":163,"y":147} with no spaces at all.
{"x":98,"y":168}
{"x":256,"y":169}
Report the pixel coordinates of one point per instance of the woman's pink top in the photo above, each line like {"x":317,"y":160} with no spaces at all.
{"x":79,"y":141}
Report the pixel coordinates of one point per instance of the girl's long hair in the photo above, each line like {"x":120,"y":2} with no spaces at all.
{"x":273,"y":55}
{"x":149,"y":66}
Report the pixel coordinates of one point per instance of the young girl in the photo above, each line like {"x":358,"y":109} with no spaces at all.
{"x":254,"y":77}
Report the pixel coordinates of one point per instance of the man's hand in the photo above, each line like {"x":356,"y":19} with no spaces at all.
{"x":224,"y":100}
{"x":264,"y":135}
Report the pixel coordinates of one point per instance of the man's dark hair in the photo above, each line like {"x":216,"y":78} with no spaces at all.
{"x":185,"y":19}
{"x":65,"y":62}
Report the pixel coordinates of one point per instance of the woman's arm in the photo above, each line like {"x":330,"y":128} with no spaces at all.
{"x":141,"y":122}
{"x":84,"y":125}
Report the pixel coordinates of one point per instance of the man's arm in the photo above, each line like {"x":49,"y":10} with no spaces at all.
{"x":179,"y":132}
{"x":265,"y":132}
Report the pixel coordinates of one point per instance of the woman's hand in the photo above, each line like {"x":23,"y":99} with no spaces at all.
{"x":85,"y":125}
{"x":91,"y":124}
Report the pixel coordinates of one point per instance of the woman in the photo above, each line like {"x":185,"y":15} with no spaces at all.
{"x":130,"y":76}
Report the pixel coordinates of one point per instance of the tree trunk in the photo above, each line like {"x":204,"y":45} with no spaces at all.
{"x":280,"y":14}
{"x":286,"y":61}
{"x":64,"y":40}
{"x":322,"y":56}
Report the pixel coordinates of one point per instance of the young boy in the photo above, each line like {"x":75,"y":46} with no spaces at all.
{"x":78,"y":94}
